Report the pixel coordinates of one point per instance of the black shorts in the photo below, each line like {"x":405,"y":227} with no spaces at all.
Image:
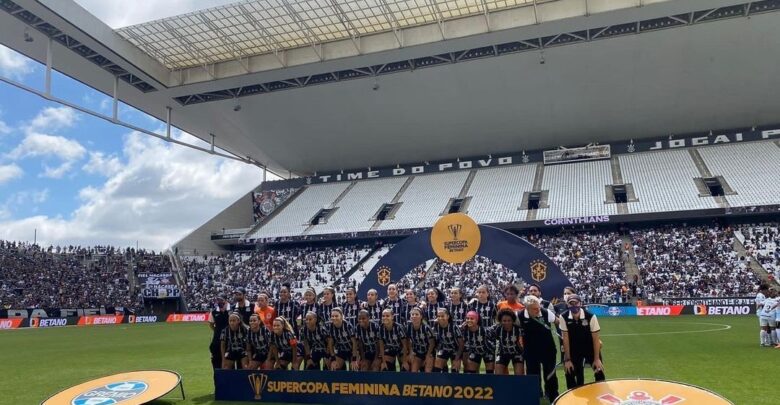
{"x":478,"y":358}
{"x":505,"y":358}
{"x":421,"y":355}
{"x":286,"y":355}
{"x":369,"y":356}
{"x":445,"y":354}
{"x":260,"y":356}
{"x":301,"y":349}
{"x":235,"y":355}
{"x":392,"y":351}
{"x":317,"y":356}
{"x":345,"y":355}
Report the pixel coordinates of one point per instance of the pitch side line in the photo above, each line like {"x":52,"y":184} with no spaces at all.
{"x":722,"y":327}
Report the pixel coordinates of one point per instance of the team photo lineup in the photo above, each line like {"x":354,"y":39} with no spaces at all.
{"x":390,"y":202}
{"x":440,"y":334}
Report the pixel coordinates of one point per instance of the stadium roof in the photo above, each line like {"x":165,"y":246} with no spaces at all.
{"x":529,"y":76}
{"x":254,"y":27}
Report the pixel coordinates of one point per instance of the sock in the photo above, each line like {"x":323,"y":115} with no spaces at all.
{"x":764,"y":336}
{"x":777,"y":336}
{"x":761,"y":336}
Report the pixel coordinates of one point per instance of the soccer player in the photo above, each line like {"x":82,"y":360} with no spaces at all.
{"x":314,"y":336}
{"x":449,"y":343}
{"x":327,"y":304}
{"x":233,"y":343}
{"x":351,"y":306}
{"x":369,"y":343}
{"x":581,"y":343}
{"x":510,"y":302}
{"x":309,"y":303}
{"x":394,"y":303}
{"x":768,"y":315}
{"x":286,"y":307}
{"x":422,"y":342}
{"x":457,"y":306}
{"x":410,"y":298}
{"x":242,"y":306}
{"x":393,"y":337}
{"x":484,"y":306}
{"x":218,"y":321}
{"x":342,"y":344}
{"x":510,"y":347}
{"x":258,"y":344}
{"x":434,"y":300}
{"x":266,"y":312}
{"x":763,"y":291}
{"x":540,"y":349}
{"x":479,"y":345}
{"x":372,"y":305}
{"x":283,"y":344}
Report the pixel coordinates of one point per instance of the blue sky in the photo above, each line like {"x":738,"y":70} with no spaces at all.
{"x":78,"y":179}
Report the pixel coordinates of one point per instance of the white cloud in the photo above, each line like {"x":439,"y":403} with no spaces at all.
{"x":10,"y":172}
{"x":103,"y":165}
{"x":13,"y":64}
{"x":155,"y":194}
{"x":4,"y":128}
{"x":53,"y":118}
{"x":116,"y":14}
{"x":67,"y":151}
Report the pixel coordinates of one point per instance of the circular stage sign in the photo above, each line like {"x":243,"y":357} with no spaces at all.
{"x":639,"y":392}
{"x":455,"y":238}
{"x":132,"y":388}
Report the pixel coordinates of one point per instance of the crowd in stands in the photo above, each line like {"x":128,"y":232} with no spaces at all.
{"x":64,"y":277}
{"x":266,"y":271}
{"x":673,"y":261}
{"x":691,"y":261}
{"x":763,"y":243}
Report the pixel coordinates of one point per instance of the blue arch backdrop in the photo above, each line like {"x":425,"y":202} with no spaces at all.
{"x":514,"y":252}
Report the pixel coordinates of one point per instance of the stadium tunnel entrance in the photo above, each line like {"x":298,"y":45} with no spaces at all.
{"x":502,"y":247}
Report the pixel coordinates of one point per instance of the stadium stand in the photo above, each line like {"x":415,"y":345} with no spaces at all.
{"x":497,"y":193}
{"x":763,"y":243}
{"x":267,"y":271}
{"x":751,"y":169}
{"x":292,"y":220}
{"x":691,"y":261}
{"x":425,"y":199}
{"x":663,"y":181}
{"x":64,"y":277}
{"x":577,"y":190}
{"x":357,"y":208}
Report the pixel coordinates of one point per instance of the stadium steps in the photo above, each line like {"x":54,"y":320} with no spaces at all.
{"x":699,"y":162}
{"x":629,"y":260}
{"x":428,"y":273}
{"x":753,"y":264}
{"x":395,"y":200}
{"x":465,"y":190}
{"x":538,"y":177}
{"x":275,"y":212}
{"x":617,"y":174}
{"x":360,"y":262}
{"x":333,"y":206}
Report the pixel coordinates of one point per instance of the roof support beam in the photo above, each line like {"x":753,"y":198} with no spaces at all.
{"x":345,"y":21}
{"x":313,"y":38}
{"x":267,"y":37}
{"x":390,"y":17}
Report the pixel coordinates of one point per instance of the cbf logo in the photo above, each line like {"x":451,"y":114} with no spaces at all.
{"x":111,"y":393}
{"x":640,"y":398}
{"x":538,"y":270}
{"x":383,"y":276}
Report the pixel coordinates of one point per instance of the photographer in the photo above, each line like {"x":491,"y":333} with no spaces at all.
{"x":218,"y":321}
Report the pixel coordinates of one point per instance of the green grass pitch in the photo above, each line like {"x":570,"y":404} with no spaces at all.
{"x":719,"y":353}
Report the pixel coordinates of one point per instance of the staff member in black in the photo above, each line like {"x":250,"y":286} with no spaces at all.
{"x":581,"y":343}
{"x":218,"y":321}
{"x":540,"y":350}
{"x":242,"y":306}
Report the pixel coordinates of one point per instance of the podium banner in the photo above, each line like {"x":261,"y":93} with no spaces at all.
{"x":376,"y":388}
